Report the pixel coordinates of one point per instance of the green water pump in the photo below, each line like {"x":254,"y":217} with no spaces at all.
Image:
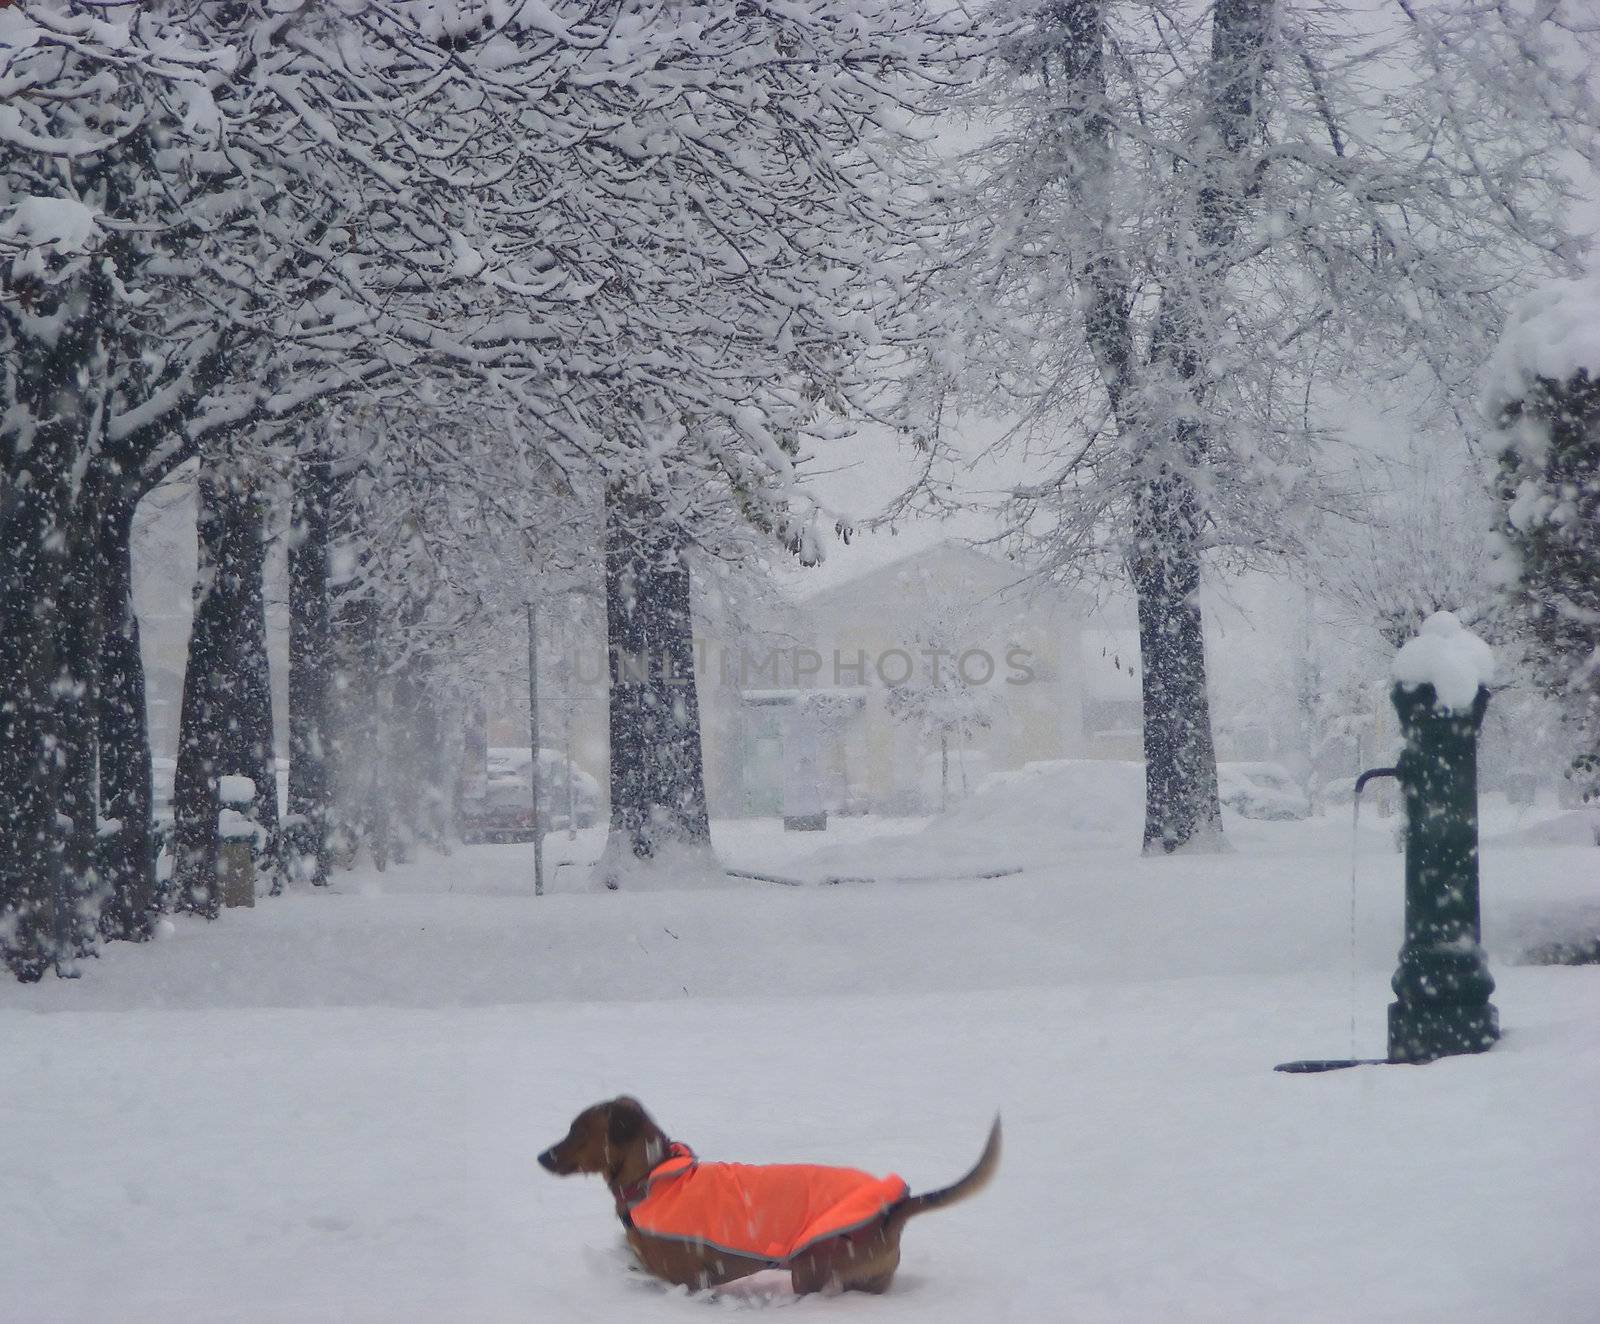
{"x":1442,"y":984}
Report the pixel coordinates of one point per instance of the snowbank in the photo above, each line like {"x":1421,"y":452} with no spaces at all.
{"x":1553,"y":334}
{"x":1035,"y":816}
{"x":1448,"y":656}
{"x":1575,"y":827}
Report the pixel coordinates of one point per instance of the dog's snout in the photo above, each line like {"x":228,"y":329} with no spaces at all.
{"x":547,"y":1160}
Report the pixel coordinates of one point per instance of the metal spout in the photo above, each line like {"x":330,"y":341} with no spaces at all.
{"x":1370,"y":773}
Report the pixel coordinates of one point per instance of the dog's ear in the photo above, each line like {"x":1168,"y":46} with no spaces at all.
{"x":625,"y":1119}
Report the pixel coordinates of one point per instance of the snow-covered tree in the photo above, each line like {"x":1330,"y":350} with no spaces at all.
{"x":82,"y":98}
{"x":1183,"y":225}
{"x":152,"y":259}
{"x":717,"y":256}
{"x":1544,"y":388}
{"x":440,"y":537}
{"x":1411,"y":538}
{"x":604,"y":218}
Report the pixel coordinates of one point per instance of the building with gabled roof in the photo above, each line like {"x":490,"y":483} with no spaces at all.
{"x":954,"y":664}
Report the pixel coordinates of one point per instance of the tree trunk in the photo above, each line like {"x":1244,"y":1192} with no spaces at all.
{"x":310,"y":667}
{"x":247,"y":745}
{"x":33,"y":568}
{"x":226,"y":719}
{"x":52,"y":492}
{"x":127,"y":856}
{"x":195,"y":791}
{"x":657,"y":773}
{"x":1181,"y":805}
{"x":40,"y":568}
{"x":80,"y":626}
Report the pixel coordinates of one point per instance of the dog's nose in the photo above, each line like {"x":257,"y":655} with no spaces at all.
{"x":547,"y":1160}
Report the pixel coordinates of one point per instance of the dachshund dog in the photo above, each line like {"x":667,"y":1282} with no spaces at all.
{"x":700,"y":1225}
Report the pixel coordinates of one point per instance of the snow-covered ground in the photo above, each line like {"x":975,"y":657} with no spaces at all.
{"x":328,"y":1108}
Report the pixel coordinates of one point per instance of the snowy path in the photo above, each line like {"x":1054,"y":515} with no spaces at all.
{"x":327,"y":1108}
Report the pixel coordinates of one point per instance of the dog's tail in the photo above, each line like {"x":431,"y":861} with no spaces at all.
{"x":971,"y":1184}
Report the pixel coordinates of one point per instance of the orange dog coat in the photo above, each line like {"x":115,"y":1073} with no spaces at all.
{"x":765,"y":1211}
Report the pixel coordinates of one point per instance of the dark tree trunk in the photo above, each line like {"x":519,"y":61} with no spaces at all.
{"x":33,"y":570}
{"x":127,"y":856}
{"x":80,"y":627}
{"x":41,"y":546}
{"x":310,"y":669}
{"x":1181,"y":804}
{"x":657,"y":775}
{"x":225,"y":726}
{"x":195,"y":791}
{"x":247,"y":733}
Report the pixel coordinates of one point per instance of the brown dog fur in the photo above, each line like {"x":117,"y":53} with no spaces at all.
{"x":619,"y":1141}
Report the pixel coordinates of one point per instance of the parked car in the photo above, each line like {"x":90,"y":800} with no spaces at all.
{"x":505,"y":812}
{"x":1261,"y":790}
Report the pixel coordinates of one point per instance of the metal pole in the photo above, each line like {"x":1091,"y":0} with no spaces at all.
{"x":533,"y":741}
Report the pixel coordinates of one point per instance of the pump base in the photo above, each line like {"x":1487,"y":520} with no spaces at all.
{"x":1424,"y":1034}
